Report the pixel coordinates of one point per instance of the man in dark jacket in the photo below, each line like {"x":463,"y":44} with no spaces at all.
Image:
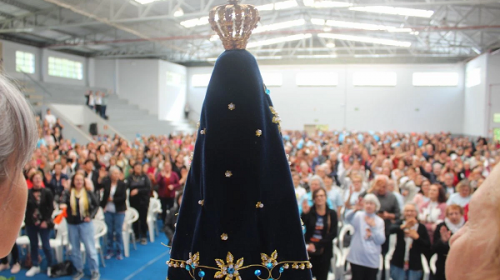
{"x":140,"y":192}
{"x":92,"y":175}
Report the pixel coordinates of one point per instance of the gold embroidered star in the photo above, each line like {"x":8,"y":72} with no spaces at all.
{"x":259,"y":205}
{"x":258,"y":132}
{"x":201,"y":202}
{"x":276,"y":117}
{"x":228,"y":174}
{"x":231,"y":106}
{"x":224,"y":236}
{"x":203,"y":131}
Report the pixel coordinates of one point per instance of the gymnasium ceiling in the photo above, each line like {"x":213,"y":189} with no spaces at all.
{"x":303,"y":31}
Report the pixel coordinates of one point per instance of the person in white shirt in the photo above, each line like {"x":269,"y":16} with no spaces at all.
{"x":98,"y":102}
{"x":51,"y":119}
{"x":462,"y":196}
{"x":91,"y":101}
{"x":369,"y":235}
{"x":300,"y":192}
{"x":351,"y":196}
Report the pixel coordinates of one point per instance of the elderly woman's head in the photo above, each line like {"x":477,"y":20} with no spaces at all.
{"x":316,"y":183}
{"x":371,"y":204}
{"x":18,"y":137}
{"x":464,"y":188}
{"x":454,"y":213}
{"x":474,"y":249}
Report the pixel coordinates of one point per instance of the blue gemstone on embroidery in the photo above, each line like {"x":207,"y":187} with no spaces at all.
{"x":230,"y":270}
{"x":201,"y":273}
{"x":268,"y":91}
{"x":257,"y":272}
{"x":188,"y":267}
{"x":193,"y":265}
{"x":270,"y":278}
{"x":282,"y":269}
{"x":269,"y":265}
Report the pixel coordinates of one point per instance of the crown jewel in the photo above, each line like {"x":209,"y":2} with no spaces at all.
{"x":234,"y":23}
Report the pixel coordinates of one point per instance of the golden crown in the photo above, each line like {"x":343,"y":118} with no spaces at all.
{"x":234,"y":23}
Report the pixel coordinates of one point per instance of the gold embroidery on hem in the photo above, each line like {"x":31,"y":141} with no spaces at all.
{"x":230,"y":270}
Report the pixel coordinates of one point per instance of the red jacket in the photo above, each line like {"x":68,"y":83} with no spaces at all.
{"x":164,"y":182}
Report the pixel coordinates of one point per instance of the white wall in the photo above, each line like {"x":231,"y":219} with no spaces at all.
{"x":492,"y":93}
{"x":138,"y":82}
{"x":403,"y":107}
{"x":9,"y":59}
{"x":171,"y":95}
{"x":475,"y":100}
{"x":105,"y":74}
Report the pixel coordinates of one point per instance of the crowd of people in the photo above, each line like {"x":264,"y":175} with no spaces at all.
{"x":416,"y":186}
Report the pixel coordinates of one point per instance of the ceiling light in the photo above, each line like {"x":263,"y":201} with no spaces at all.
{"x":194,"y":22}
{"x":278,"y":40}
{"x":145,"y":1}
{"x":394,"y":11}
{"x":326,"y":4}
{"x":353,"y":25}
{"x":281,"y":25}
{"x":330,"y":45}
{"x":318,"y":56}
{"x":179,"y":13}
{"x":278,"y":6}
{"x":363,"y":39}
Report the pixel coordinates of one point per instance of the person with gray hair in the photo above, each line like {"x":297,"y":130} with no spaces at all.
{"x":412,"y":241}
{"x":114,"y":205}
{"x":315,"y":183}
{"x":369,"y":235}
{"x":18,"y":137}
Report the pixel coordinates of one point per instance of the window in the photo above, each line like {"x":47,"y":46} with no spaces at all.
{"x":435,"y":79}
{"x":200,"y":80}
{"x":317,"y":79}
{"x":377,"y":79}
{"x":65,"y":68}
{"x":25,"y":62}
{"x":272,"y":79}
{"x":473,"y":77}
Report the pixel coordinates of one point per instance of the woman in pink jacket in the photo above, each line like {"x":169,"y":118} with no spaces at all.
{"x":433,"y":211}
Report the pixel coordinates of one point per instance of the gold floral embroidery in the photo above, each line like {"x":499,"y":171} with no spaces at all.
{"x":276,"y":117}
{"x":230,"y":270}
{"x":269,"y":262}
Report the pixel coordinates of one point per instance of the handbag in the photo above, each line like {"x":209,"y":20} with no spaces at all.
{"x":61,"y":269}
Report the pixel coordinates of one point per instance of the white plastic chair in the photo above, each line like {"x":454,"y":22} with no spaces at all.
{"x":337,"y":264}
{"x":100,"y":230}
{"x":154,"y":209}
{"x":433,"y":261}
{"x":99,"y":215}
{"x":392,"y":246}
{"x":131,"y":216}
{"x":347,"y":228}
{"x":60,"y":241}
{"x":425,"y":267}
{"x":381,"y":266}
